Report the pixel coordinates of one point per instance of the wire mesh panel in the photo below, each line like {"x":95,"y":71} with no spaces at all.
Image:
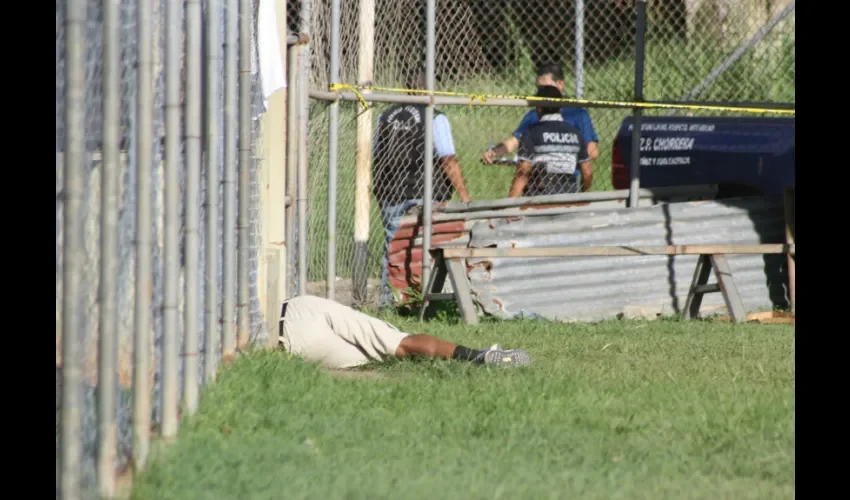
{"x":721,"y":50}
{"x":471,"y":132}
{"x":90,"y":214}
{"x":696,"y":50}
{"x":317,"y":194}
{"x":347,"y":200}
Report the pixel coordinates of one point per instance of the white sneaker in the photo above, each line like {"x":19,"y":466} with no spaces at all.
{"x":495,"y":355}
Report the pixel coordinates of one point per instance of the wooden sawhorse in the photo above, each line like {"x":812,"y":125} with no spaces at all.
{"x":451,"y":262}
{"x":455,"y":268}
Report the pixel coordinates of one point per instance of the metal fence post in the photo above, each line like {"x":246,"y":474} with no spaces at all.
{"x":194,"y":20}
{"x":231,"y":129}
{"x":71,"y":443}
{"x":640,"y":51}
{"x":171,"y":227}
{"x":303,"y":132}
{"x":579,"y":48}
{"x":144,"y":238}
{"x":245,"y":126}
{"x":333,"y":144}
{"x":427,"y":208}
{"x":109,"y":259}
{"x":292,"y":142}
{"x":213,"y":55}
{"x":363,"y":155}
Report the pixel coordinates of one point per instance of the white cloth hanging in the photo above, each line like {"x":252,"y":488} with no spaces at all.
{"x":266,"y":58}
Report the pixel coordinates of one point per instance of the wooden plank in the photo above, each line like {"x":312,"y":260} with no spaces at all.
{"x":766,"y":317}
{"x":701,"y":273}
{"x":437,"y":297}
{"x":790,"y":229}
{"x":617,"y":251}
{"x":587,"y":197}
{"x":463,"y":293}
{"x":730,"y":292}
{"x":712,"y":288}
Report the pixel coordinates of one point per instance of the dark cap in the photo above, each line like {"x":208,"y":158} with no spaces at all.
{"x":548,"y":92}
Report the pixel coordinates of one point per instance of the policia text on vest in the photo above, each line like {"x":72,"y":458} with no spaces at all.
{"x":549,"y":155}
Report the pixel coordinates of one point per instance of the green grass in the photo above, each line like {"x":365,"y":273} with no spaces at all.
{"x":615,"y":410}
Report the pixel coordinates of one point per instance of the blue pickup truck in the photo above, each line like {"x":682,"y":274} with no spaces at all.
{"x":742,"y":156}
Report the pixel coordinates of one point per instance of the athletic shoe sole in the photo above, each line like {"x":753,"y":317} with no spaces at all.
{"x":513,"y":357}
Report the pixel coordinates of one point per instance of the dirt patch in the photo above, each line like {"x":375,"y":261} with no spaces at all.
{"x":766,"y":318}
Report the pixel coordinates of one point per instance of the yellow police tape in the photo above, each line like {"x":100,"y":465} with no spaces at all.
{"x":356,"y":89}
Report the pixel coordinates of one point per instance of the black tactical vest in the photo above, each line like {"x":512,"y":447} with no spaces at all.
{"x":399,"y":163}
{"x":555,"y":150}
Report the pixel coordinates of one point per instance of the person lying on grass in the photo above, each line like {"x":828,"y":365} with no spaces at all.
{"x":324,"y":331}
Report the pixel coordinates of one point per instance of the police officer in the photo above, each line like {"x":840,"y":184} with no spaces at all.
{"x":549,"y":74}
{"x":550,"y":153}
{"x":399,"y":167}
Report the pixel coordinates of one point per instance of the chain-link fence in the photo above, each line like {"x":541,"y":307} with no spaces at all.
{"x":696,"y":51}
{"x":203,"y":96}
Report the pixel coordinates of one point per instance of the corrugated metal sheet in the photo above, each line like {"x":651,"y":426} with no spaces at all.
{"x":452,"y":230}
{"x":596,"y":288}
{"x":405,"y":255}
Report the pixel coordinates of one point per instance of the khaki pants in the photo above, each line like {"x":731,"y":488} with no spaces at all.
{"x":326,"y":332}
